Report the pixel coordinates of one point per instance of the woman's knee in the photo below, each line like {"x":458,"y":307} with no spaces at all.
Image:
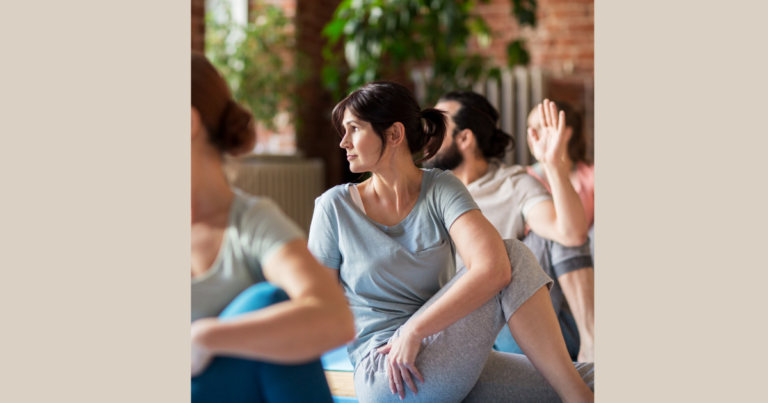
{"x":520,"y":256}
{"x":255,"y":297}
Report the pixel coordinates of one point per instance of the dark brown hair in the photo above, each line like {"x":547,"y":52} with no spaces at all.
{"x":478,"y":115}
{"x":382,"y":104}
{"x":230,"y":127}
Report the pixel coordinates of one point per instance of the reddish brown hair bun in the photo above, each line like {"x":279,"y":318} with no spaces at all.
{"x":230,"y":127}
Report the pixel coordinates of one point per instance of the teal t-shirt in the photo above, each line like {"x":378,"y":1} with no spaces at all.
{"x":388,"y":273}
{"x":257,"y":229}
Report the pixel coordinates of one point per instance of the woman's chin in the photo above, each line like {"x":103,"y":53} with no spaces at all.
{"x":356,"y":168}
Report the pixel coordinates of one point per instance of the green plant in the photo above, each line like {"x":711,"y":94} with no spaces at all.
{"x":257,"y":60}
{"x":525,"y":12}
{"x":372,"y":39}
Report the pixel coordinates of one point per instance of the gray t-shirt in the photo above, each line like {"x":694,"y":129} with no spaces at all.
{"x":257,"y":229}
{"x":388,"y":273}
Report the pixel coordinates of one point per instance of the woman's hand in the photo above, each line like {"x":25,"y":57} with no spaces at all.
{"x":549,"y":145}
{"x":201,"y":356}
{"x":401,"y":362}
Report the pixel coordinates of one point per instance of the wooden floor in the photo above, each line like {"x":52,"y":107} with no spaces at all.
{"x":341,"y":383}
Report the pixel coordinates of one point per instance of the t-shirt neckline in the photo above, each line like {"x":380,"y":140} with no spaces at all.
{"x":404,"y":220}
{"x":225,"y":243}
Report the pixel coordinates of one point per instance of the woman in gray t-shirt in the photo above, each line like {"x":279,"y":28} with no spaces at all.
{"x":392,"y":239}
{"x":238,"y":243}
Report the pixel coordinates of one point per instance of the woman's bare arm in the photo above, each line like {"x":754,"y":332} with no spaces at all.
{"x":483,"y":252}
{"x":561,"y":220}
{"x":315,"y":320}
{"x":489,"y":271}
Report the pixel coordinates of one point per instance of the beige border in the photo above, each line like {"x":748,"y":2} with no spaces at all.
{"x":681,"y":201}
{"x":95,"y":201}
{"x":95,"y":185}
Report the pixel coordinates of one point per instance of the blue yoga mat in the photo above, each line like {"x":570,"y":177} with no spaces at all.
{"x":337,"y":360}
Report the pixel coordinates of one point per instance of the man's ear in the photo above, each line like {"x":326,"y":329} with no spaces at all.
{"x":396,"y":134}
{"x":465,"y":140}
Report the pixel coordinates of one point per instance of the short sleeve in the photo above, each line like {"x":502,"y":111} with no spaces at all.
{"x":324,"y":237}
{"x":452,"y":198}
{"x":531,"y":192}
{"x":269,"y":229}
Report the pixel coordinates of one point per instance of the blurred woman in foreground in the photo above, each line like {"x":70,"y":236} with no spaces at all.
{"x":266,"y":337}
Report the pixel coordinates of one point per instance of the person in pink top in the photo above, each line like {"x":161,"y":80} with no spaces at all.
{"x":582,"y":171}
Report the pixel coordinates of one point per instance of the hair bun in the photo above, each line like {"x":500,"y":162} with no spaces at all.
{"x":236,"y":130}
{"x":499,"y":142}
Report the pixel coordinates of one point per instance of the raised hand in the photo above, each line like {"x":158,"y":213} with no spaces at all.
{"x":549,"y":144}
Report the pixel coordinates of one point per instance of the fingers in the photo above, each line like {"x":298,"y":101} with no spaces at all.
{"x":417,"y":373}
{"x":398,"y":381}
{"x":542,"y":115}
{"x":385,"y":349}
{"x":406,"y":375}
{"x":553,"y":115}
{"x":391,"y":378}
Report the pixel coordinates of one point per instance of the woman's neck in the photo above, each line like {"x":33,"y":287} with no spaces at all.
{"x":397,"y":184}
{"x":211,"y":194}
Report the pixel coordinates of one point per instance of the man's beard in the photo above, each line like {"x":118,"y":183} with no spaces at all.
{"x":448,"y":160}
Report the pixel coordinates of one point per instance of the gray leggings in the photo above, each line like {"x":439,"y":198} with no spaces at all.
{"x":458,"y":364}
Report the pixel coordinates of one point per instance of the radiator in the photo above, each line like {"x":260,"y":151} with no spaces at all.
{"x":292,"y":182}
{"x":514,"y":95}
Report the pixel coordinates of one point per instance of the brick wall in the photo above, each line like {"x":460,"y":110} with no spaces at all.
{"x":562,"y":43}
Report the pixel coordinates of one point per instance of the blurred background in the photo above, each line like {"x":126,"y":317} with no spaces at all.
{"x":291,"y":61}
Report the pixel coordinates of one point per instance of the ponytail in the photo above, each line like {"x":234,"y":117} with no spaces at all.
{"x":497,"y":145}
{"x":434,"y":133}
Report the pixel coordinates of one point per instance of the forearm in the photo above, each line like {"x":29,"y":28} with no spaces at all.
{"x":579,"y":289}
{"x":570,"y":222}
{"x":288,"y":332}
{"x":471,"y":291}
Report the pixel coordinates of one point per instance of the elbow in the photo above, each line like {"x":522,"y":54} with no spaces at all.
{"x":332,"y":325}
{"x":347,"y":328}
{"x":573,"y":238}
{"x":343,"y":329}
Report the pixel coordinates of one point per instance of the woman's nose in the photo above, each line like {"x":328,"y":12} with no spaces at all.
{"x":344,"y":142}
